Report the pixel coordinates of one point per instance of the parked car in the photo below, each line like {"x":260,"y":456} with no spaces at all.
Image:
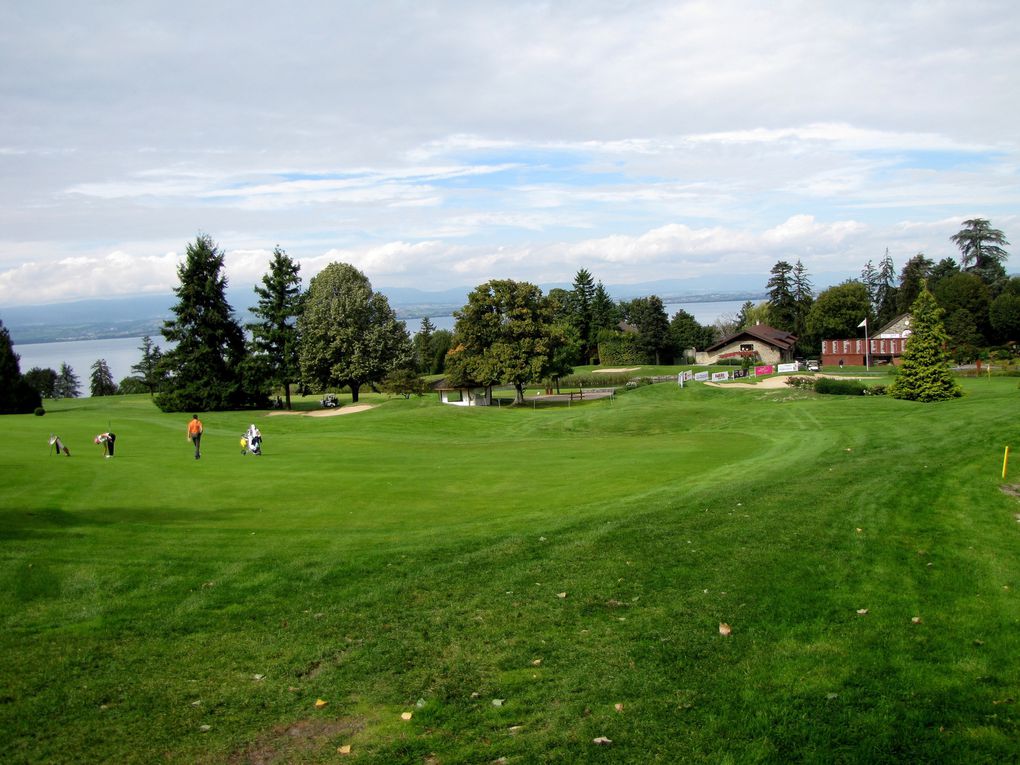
{"x":813,"y":365}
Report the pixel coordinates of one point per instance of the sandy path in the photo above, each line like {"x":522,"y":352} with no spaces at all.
{"x":775,"y":382}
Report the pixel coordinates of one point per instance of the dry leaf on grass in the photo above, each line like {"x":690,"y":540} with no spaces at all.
{"x":345,"y":749}
{"x":406,"y":715}
{"x":561,"y":594}
{"x":725,"y":629}
{"x":536,"y":663}
{"x":862,"y":611}
{"x":602,"y":741}
{"x":205,"y":728}
{"x":915,"y":620}
{"x":618,"y":707}
{"x":498,"y":702}
{"x":320,"y":703}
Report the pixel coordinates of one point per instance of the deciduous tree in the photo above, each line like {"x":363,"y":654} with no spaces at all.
{"x":838,"y":311}
{"x":349,"y":334}
{"x":43,"y":380}
{"x":505,"y":334}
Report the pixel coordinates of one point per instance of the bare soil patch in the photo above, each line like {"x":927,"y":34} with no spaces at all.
{"x":297,"y":742}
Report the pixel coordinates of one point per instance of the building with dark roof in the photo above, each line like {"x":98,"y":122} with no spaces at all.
{"x":770,"y":345}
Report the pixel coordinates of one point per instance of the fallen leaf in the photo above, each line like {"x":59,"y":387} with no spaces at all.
{"x":915,"y":620}
{"x":475,"y":694}
{"x":536,"y":663}
{"x":513,"y":729}
{"x":205,"y":728}
{"x":725,"y":629}
{"x":258,"y":677}
{"x":319,"y":703}
{"x":602,"y":741}
{"x":618,"y":707}
{"x":498,"y":702}
{"x":196,"y":703}
{"x":406,"y":715}
{"x":831,"y":696}
{"x":561,"y":594}
{"x":345,"y":749}
{"x":862,"y":611}
{"x":860,"y":530}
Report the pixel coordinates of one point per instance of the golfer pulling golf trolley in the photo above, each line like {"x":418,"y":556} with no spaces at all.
{"x":251,"y":441}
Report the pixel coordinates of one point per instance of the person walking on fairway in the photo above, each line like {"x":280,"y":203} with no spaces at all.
{"x":195,"y":434}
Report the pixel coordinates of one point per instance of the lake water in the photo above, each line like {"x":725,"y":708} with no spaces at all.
{"x":122,"y":352}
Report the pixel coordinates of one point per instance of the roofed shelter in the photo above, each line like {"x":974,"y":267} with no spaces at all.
{"x":771,"y":345}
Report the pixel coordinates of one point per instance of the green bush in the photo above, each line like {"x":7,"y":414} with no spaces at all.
{"x":835,"y":387}
{"x":39,"y":411}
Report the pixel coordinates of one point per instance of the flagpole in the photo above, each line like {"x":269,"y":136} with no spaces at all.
{"x":867,"y":347}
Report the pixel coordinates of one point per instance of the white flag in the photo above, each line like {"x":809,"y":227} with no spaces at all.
{"x":863,"y":323}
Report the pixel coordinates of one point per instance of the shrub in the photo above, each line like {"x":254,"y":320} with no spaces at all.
{"x":800,"y":382}
{"x":39,"y":411}
{"x":835,"y":387}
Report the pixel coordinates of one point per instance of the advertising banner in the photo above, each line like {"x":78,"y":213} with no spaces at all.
{"x":786,"y":368}
{"x":701,"y":376}
{"x":765,"y":370}
{"x":720,"y":376}
{"x":739,"y":373}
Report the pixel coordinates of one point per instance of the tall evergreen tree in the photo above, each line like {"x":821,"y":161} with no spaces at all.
{"x":886,"y":291}
{"x":101,"y":381}
{"x":782,"y":303}
{"x":67,"y":385}
{"x":423,"y":345}
{"x":605,"y":314}
{"x":274,"y":337}
{"x":17,"y":396}
{"x":149,"y":369}
{"x":803,"y":298}
{"x":208,"y":368}
{"x":924,"y":374}
{"x":582,"y":297}
{"x":982,"y":251}
{"x":915,"y":274}
{"x":349,"y":334}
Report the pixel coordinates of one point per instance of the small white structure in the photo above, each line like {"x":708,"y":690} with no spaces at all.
{"x":463,"y":395}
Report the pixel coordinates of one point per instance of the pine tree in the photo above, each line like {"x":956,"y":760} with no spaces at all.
{"x":605,"y":314}
{"x":982,"y":251}
{"x":924,"y":374}
{"x":275,"y":337}
{"x":208,"y":369}
{"x":423,"y":345}
{"x":149,"y":368}
{"x":886,"y":291}
{"x":67,"y":385}
{"x":581,"y":298}
{"x":16,"y":395}
{"x":101,"y":380}
{"x":782,"y":303}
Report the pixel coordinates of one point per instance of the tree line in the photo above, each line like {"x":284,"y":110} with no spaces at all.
{"x":340,"y":333}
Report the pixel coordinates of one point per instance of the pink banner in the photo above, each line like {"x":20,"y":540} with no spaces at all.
{"x":766,"y":370}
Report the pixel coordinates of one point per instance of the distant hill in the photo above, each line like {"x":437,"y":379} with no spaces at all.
{"x":139,"y":315}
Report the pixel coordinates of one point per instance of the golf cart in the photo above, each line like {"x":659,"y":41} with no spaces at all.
{"x":330,"y":401}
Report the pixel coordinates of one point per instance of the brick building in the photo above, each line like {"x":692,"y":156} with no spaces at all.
{"x":884,"y":347}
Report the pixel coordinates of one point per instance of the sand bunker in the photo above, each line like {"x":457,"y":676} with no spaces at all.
{"x":775,"y":382}
{"x":615,"y":369}
{"x":351,"y":409}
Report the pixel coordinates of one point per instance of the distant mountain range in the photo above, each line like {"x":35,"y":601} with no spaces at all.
{"x":139,"y":315}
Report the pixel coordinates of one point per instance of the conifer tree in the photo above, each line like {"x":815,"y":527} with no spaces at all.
{"x":101,"y":380}
{"x":148,"y":369}
{"x":924,"y":374}
{"x":782,"y":303}
{"x":275,"y":336}
{"x":67,"y":385}
{"x":207,"y":370}
{"x":16,"y":395}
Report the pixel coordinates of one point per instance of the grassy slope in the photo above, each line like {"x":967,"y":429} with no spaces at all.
{"x":417,"y":551}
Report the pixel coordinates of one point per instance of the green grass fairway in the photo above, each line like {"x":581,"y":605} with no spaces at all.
{"x":522,"y":581}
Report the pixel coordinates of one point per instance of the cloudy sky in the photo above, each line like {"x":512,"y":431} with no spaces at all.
{"x":441,"y":144}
